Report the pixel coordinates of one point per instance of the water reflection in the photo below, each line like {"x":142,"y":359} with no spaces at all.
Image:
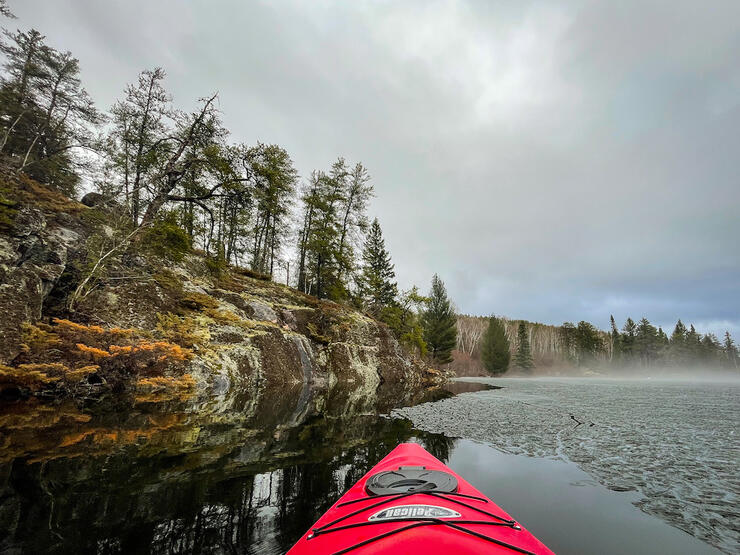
{"x":247,"y":474}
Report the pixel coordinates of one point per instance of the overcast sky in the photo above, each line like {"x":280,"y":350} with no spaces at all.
{"x":551,"y":161}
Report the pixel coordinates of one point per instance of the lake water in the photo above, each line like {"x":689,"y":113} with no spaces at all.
{"x":671,"y":447}
{"x":182,"y":478}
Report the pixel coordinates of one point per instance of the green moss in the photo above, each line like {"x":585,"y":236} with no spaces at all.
{"x":8,"y":204}
{"x":252,"y":274}
{"x":313,"y":334}
{"x":94,"y":217}
{"x":198,"y":301}
{"x":51,"y":202}
{"x":184,"y":331}
{"x":170,"y":282}
{"x":7,"y":212}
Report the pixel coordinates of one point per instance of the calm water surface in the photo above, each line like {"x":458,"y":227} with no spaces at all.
{"x":178,"y":477}
{"x":673,"y":445}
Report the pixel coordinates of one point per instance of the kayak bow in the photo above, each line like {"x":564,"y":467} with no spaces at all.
{"x":410,"y":502}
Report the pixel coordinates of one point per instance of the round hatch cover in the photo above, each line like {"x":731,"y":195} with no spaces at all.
{"x":408,"y":479}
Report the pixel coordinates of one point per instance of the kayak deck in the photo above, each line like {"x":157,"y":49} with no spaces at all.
{"x":418,"y":522}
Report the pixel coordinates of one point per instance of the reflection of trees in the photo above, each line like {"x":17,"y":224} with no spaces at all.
{"x":168,"y":479}
{"x":225,"y":492}
{"x":438,"y":445}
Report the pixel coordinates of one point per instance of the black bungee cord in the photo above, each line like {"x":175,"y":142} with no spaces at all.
{"x":418,"y":521}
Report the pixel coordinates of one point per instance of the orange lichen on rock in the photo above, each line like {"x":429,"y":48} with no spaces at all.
{"x":162,"y":348}
{"x":28,"y":376}
{"x":67,"y":325}
{"x":94,"y":352}
{"x":64,"y":355}
{"x":38,"y":338}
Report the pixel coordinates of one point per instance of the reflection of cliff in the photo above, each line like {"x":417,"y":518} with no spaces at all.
{"x":185,"y":477}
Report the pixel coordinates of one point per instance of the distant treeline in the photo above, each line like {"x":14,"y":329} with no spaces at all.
{"x":171,"y":181}
{"x":582,"y":345}
{"x":642,"y":344}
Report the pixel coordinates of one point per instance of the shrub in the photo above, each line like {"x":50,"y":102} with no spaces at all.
{"x":216,"y":266}
{"x":166,"y":239}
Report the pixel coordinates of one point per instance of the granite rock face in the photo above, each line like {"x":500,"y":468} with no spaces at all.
{"x":251,"y":332}
{"x":260,"y":332}
{"x":33,"y":256}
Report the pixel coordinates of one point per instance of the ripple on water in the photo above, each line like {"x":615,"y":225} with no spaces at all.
{"x":676,"y":443}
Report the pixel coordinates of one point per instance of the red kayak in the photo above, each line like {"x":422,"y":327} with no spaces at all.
{"x":412,"y":503}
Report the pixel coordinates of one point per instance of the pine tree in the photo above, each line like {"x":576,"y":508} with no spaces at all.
{"x":523,"y":358}
{"x":274,"y":179}
{"x":588,"y":340}
{"x":679,"y":333}
{"x":5,"y":10}
{"x":693,"y":347}
{"x":439,"y":323}
{"x":662,"y":337}
{"x":333,"y":214}
{"x":136,"y":136}
{"x":629,"y":331}
{"x":729,"y":351}
{"x":677,"y":348}
{"x":495,"y":352}
{"x":616,"y":343}
{"x":710,"y":352}
{"x":646,"y":342}
{"x":45,"y":114}
{"x":378,"y":288}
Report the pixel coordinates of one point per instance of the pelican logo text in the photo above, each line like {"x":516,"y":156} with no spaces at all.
{"x":413,"y":512}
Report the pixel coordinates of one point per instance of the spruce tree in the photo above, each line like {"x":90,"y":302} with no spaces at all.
{"x":377,"y":286}
{"x":495,"y":352}
{"x":646,"y":342}
{"x":629,"y":331}
{"x":662,"y":337}
{"x":693,"y":346}
{"x":677,"y":348}
{"x":588,"y":341}
{"x":616,"y":339}
{"x":523,"y":358}
{"x":710,"y":352}
{"x":439,"y":323}
{"x":678,"y":337}
{"x":730,"y":351}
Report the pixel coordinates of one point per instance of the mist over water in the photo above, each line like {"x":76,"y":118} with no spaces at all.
{"x":675,"y":442}
{"x":702,"y":374}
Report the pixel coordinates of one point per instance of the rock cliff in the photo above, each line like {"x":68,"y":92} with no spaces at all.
{"x":240,"y":331}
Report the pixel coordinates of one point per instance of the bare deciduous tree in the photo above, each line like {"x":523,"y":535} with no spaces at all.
{"x":470,"y":329}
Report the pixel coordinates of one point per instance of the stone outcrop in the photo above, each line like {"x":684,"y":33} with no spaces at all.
{"x":35,"y":246}
{"x":245,"y":332}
